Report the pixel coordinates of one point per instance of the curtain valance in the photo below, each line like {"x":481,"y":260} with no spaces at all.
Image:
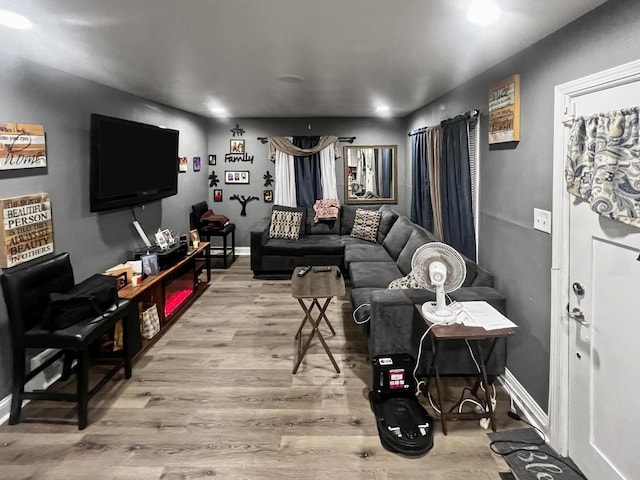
{"x":603,"y":164}
{"x":285,"y":145}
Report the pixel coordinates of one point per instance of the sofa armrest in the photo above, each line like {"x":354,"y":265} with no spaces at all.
{"x":396,"y":326}
{"x":259,"y":235}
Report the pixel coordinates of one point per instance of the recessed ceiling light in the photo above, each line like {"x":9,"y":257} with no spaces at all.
{"x":483,"y":12}
{"x":14,"y":20}
{"x":383,"y":109}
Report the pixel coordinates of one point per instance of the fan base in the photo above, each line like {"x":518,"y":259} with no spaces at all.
{"x":444,"y":316}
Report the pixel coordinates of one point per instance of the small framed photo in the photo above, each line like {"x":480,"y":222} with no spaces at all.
{"x":236,"y":176}
{"x":217,"y":195}
{"x":194,"y":237}
{"x":121,"y":280}
{"x":268,"y":196}
{"x":196,"y":164}
{"x":183,"y":164}
{"x":161,"y":241}
{"x":236,"y":146}
{"x":212,"y":159}
{"x":168,"y":237}
{"x":150,"y":264}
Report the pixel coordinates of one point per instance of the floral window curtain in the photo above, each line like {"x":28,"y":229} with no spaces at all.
{"x":603,"y":164}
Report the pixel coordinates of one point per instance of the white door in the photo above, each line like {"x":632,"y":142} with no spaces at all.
{"x":604,"y":330}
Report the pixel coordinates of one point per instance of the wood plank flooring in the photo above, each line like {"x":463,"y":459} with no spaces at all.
{"x":215,"y":397}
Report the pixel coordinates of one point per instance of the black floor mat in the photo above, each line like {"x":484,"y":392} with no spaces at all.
{"x":534,"y":458}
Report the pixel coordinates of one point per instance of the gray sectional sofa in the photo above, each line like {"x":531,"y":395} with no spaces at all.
{"x":394,"y":324}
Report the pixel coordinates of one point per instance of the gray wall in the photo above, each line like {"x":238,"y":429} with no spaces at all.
{"x":63,"y":104}
{"x":368,"y":131}
{"x":514,"y":181}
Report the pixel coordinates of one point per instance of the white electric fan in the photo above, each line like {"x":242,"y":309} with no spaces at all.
{"x":439,"y":268}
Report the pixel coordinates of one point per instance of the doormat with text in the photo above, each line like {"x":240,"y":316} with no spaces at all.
{"x":533,"y":458}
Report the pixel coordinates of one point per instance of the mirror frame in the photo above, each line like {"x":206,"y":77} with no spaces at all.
{"x":363,"y":201}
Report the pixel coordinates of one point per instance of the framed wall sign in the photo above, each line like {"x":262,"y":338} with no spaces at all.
{"x":504,"y":111}
{"x":236,"y":176}
{"x":27,"y":229}
{"x":22,"y":145}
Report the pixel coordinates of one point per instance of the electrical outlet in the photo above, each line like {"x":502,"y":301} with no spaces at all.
{"x":542,"y":220}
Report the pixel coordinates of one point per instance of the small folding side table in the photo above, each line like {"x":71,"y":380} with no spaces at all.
{"x":474,"y":336}
{"x":315,"y":286}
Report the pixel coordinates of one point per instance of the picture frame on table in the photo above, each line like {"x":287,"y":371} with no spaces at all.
{"x":150,"y":264}
{"x":166,"y":233}
{"x":236,"y":176}
{"x":194,"y":238}
{"x":161,"y":241}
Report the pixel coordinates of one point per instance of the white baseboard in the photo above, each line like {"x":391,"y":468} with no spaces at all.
{"x":527,"y":406}
{"x":244,"y":251}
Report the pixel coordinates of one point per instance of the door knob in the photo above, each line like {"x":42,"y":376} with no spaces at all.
{"x":578,"y":316}
{"x":578,"y":289}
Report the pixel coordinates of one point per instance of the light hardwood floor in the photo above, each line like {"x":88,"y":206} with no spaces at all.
{"x":215,"y":398}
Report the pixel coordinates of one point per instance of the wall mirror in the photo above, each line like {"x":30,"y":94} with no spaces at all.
{"x":370,"y":173}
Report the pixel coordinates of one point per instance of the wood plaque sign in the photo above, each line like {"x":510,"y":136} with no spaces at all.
{"x":27,"y":229}
{"x":22,"y":145}
{"x":504,"y":111}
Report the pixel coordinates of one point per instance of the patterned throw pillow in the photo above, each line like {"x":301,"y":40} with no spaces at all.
{"x":285,"y":224}
{"x":365,"y":224}
{"x":408,"y":281}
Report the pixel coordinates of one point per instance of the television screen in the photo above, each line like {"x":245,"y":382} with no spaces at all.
{"x":131,"y":163}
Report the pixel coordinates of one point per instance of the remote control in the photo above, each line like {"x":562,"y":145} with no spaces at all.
{"x":321,"y":269}
{"x":303,"y":271}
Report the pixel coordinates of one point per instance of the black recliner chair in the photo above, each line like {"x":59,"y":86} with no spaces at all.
{"x":26,"y":292}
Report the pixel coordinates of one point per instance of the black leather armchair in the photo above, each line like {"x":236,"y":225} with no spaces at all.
{"x":26,"y":292}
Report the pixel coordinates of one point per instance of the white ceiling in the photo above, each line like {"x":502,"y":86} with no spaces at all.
{"x":275,"y":58}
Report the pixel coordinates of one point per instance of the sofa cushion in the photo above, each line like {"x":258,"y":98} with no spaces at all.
{"x":418,"y":237}
{"x":398,"y":235}
{"x":365,"y":224}
{"x":373,"y":274}
{"x":322,"y":227}
{"x":388,"y":217}
{"x":285,"y":224}
{"x":364,"y":252}
{"x":306,"y":245}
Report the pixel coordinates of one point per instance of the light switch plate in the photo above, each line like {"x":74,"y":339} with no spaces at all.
{"x":542,"y":220}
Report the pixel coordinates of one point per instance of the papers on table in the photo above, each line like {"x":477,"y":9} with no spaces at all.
{"x":481,"y":314}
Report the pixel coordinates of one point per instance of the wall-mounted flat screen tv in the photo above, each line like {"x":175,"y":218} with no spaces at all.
{"x":131,"y":163}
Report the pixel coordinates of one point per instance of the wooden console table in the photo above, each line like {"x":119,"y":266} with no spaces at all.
{"x":172,"y":290}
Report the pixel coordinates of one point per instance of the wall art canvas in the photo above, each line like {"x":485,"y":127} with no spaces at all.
{"x":22,"y":145}
{"x":27,"y":229}
{"x":217,"y":195}
{"x":212,"y":159}
{"x":268,"y":196}
{"x":196,"y":164}
{"x":504,"y":111}
{"x":184,"y":162}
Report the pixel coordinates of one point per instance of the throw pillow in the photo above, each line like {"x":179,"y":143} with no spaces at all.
{"x":285,"y":224}
{"x":365,"y":224}
{"x":408,"y":281}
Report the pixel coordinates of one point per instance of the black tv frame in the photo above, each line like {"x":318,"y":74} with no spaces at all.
{"x":99,"y":203}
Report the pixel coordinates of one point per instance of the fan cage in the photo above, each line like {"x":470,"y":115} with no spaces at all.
{"x":447,"y":255}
